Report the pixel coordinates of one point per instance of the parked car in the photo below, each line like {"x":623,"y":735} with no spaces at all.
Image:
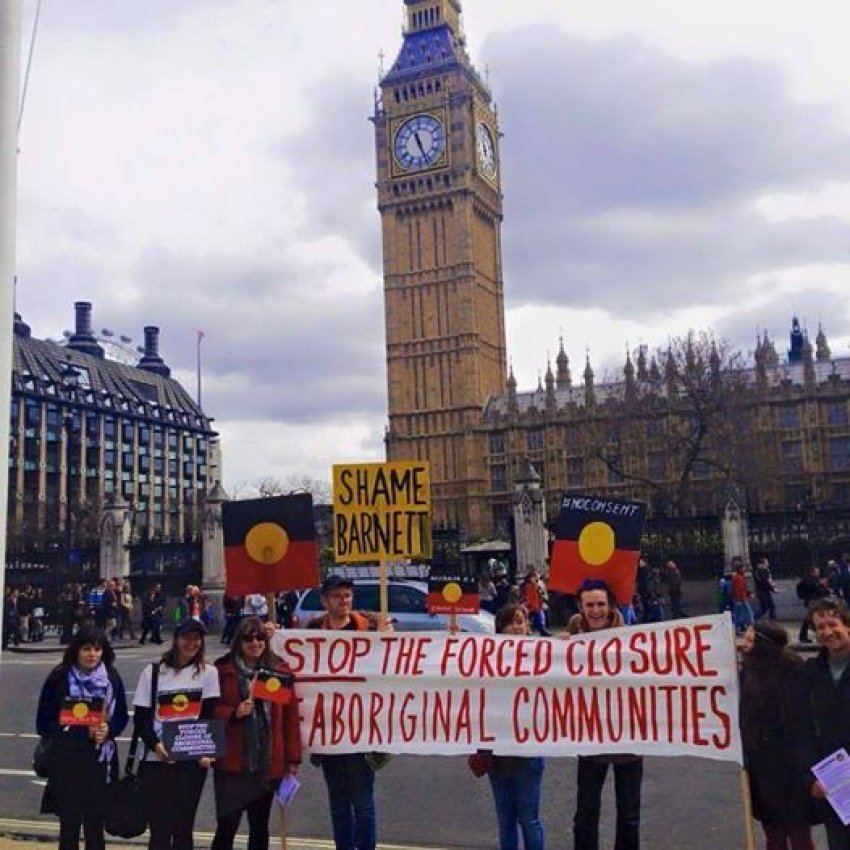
{"x":408,"y":607}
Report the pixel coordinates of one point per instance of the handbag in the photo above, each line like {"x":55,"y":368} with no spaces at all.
{"x":127,"y":805}
{"x":41,"y":757}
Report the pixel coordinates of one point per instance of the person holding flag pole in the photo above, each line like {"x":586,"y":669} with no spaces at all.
{"x":263,"y":746}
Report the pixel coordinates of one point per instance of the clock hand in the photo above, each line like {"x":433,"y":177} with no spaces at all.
{"x":419,"y":143}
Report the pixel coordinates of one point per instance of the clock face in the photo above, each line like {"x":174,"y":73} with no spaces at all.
{"x":419,"y":142}
{"x":486,"y":150}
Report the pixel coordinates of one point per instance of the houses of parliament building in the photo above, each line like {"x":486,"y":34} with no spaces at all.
{"x":665,"y":432}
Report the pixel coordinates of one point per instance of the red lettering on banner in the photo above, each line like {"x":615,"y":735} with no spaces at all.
{"x":613,"y":667}
{"x":642,"y":666}
{"x":484,"y":736}
{"x":697,"y":714}
{"x":291,"y":649}
{"x":572,"y":645}
{"x":376,"y":705}
{"x":615,"y":730}
{"x":464,"y":721}
{"x":408,"y":721}
{"x":563,"y":715}
{"x":520,"y":734}
{"x":668,"y":690}
{"x":703,"y":649}
{"x":685,"y":715}
{"x":723,"y":743}
{"x":318,"y":729}
{"x":337,"y":725}
{"x":638,"y":722}
{"x":590,"y":723}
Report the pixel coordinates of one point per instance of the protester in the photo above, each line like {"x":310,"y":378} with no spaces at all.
{"x":597,"y":611}
{"x":486,"y":592}
{"x":83,"y":759}
{"x":515,"y":781}
{"x":173,"y":788}
{"x":653,"y":598}
{"x":763,"y":581}
{"x":822,"y":701}
{"x":723,"y":593}
{"x":810,"y":588}
{"x":349,"y":777}
{"x":125,"y":609}
{"x":673,"y":579}
{"x":503,"y":587}
{"x":11,"y":622}
{"x":263,"y":739}
{"x":768,"y":722}
{"x":742,"y":613}
{"x":256,"y":605}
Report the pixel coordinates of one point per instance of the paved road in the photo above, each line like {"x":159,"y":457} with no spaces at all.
{"x":422,"y":802}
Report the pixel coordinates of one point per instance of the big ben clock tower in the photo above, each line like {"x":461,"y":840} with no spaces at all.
{"x":439,"y":197}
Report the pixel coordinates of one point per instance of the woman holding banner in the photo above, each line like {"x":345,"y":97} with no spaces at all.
{"x":516,"y":781}
{"x":768,"y":718}
{"x":178,"y":687}
{"x":263,"y":738}
{"x":598,"y":610}
{"x":81,"y":710}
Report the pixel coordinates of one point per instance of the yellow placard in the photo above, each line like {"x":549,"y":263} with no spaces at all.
{"x":382,"y":511}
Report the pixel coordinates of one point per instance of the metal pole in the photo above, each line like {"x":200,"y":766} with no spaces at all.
{"x":10,"y":69}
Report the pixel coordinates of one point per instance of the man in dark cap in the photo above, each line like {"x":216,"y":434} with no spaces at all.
{"x":350,"y":777}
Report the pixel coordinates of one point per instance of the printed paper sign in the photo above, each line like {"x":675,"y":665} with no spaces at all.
{"x":452,"y":590}
{"x":187,"y":740}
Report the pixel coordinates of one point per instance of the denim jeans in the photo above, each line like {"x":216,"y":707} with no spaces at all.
{"x":351,"y":784}
{"x":742,"y":616}
{"x":627,"y":782}
{"x":517,"y":798}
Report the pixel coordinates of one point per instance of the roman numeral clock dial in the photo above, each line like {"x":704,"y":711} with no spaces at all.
{"x":486,"y":150}
{"x":419,"y":143}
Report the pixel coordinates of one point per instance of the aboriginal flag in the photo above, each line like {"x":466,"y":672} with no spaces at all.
{"x":81,"y":711}
{"x":597,"y":538}
{"x":273,"y":686}
{"x":270,"y":545}
{"x":179,"y":705}
{"x":452,"y":590}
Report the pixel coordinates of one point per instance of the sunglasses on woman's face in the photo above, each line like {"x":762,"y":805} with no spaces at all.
{"x":252,"y":637}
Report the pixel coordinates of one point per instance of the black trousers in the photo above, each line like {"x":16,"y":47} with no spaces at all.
{"x":627,"y":781}
{"x":173,"y":792}
{"x":258,"y":825}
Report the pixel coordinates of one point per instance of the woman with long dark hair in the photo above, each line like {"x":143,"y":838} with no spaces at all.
{"x":179,"y":686}
{"x":263,"y":738}
{"x":768,"y":721}
{"x":81,"y":710}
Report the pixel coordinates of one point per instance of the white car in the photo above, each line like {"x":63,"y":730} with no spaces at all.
{"x":408,"y":608}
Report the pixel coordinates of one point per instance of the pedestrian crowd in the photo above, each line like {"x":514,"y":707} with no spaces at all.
{"x":793,"y":714}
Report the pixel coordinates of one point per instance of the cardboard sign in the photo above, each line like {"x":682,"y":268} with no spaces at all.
{"x":81,"y":711}
{"x":382,"y":511}
{"x":270,"y":545}
{"x":452,"y":590}
{"x":597,"y":538}
{"x":187,"y":740}
{"x":273,"y":686}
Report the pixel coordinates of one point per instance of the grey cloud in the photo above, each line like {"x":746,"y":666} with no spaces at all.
{"x":630,"y":175}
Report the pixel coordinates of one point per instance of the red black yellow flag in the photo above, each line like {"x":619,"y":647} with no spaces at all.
{"x":179,"y":705}
{"x":597,"y":538}
{"x":273,"y":686}
{"x":270,"y":545}
{"x":81,"y":711}
{"x":452,"y":590}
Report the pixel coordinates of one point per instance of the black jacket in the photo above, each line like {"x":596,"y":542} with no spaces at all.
{"x":824,"y":714}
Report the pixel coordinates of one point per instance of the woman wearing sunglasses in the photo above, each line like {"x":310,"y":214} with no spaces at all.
{"x":263,"y":737}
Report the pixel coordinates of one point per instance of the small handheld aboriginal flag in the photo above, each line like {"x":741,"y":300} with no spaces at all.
{"x":273,"y":686}
{"x":81,"y":711}
{"x":452,"y":590}
{"x":179,"y":705}
{"x":270,"y":545}
{"x":597,"y":538}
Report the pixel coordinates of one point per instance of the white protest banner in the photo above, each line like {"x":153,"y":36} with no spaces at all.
{"x":664,"y":689}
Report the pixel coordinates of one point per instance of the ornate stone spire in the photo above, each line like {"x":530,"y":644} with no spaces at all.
{"x":823,"y":355}
{"x":562,"y":362}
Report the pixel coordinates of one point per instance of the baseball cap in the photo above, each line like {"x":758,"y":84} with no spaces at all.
{"x":333,"y":582}
{"x":189,"y":625}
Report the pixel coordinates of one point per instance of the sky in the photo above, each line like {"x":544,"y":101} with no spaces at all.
{"x":208,"y":164}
